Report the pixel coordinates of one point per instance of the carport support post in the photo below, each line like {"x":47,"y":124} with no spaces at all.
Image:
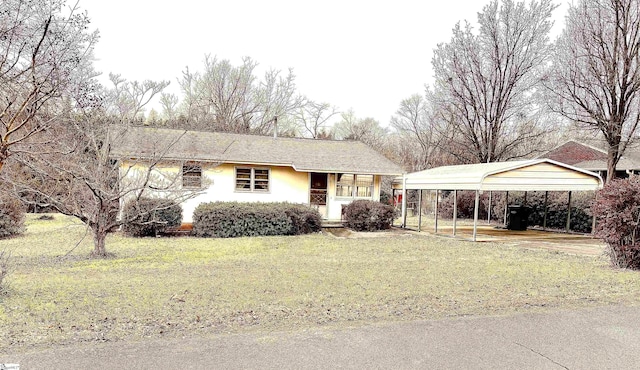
{"x":489,"y":210}
{"x":436,"y":210}
{"x":544,"y":218}
{"x":475,"y":215}
{"x":419,"y":210}
{"x":455,"y":210}
{"x":593,"y":217}
{"x":404,"y":202}
{"x":569,"y":213}
{"x":393,"y":201}
{"x":506,"y":206}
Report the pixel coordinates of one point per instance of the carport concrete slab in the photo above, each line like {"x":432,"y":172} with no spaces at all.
{"x":530,"y":238}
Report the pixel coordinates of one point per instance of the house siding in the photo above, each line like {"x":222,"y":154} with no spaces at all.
{"x":285,"y":185}
{"x":335,"y":204}
{"x":219,"y":184}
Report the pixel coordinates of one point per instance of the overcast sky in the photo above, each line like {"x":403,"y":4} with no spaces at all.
{"x":364,"y":55}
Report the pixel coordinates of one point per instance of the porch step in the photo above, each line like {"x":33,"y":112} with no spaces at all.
{"x":331,"y":224}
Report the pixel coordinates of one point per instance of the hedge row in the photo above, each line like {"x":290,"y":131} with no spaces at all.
{"x":234,"y":219}
{"x":368,"y":215}
{"x":581,"y":219}
{"x":150,"y":216}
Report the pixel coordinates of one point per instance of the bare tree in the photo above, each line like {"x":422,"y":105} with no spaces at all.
{"x":415,"y":123}
{"x":127,"y":99}
{"x":596,"y":72}
{"x":42,"y":43}
{"x":485,"y":79}
{"x":232,"y":99}
{"x":83,"y":177}
{"x":277,"y":97}
{"x":366,"y":130}
{"x":313,"y":119}
{"x":169,"y":104}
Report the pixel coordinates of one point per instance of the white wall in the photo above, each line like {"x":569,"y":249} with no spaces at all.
{"x":334,"y":203}
{"x":285,"y":185}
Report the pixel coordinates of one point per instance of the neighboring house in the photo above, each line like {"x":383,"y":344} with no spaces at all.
{"x":326,"y":174}
{"x":594,"y":159}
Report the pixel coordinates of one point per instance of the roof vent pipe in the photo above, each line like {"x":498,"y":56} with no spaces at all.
{"x":275,"y":127}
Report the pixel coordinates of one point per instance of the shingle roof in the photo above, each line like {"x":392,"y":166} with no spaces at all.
{"x":592,"y":158}
{"x":572,"y":152}
{"x":306,"y":155}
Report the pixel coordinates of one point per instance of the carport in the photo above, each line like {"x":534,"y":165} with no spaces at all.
{"x":529,"y":175}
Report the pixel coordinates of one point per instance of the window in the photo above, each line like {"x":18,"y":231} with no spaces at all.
{"x":191,"y":176}
{"x":345,"y":185}
{"x":364,"y":186}
{"x":354,"y":186}
{"x":252,"y":179}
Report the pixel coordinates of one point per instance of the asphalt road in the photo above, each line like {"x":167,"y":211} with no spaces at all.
{"x":597,"y":338}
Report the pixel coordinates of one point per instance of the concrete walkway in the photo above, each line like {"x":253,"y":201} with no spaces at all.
{"x":599,"y":338}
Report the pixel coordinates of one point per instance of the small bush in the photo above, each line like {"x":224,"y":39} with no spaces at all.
{"x":150,"y":216}
{"x":11,"y":217}
{"x":617,"y":211}
{"x":304,"y":219}
{"x":233,"y":219}
{"x":4,"y":269}
{"x":367,"y":215}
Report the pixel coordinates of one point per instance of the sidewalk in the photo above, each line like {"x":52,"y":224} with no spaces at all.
{"x":598,"y":338}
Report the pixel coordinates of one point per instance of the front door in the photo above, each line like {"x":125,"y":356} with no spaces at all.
{"x":318,"y":192}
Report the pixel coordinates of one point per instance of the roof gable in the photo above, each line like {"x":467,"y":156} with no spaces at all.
{"x":573,"y":152}
{"x":306,"y":155}
{"x":536,"y":174}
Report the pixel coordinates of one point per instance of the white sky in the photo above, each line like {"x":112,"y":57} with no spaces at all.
{"x":364,"y":55}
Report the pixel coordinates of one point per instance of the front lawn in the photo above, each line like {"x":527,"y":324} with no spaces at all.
{"x":184,"y":286}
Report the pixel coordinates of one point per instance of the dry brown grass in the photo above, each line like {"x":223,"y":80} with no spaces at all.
{"x":156,"y":287}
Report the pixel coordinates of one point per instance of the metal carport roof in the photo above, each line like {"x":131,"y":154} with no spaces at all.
{"x":529,"y":175}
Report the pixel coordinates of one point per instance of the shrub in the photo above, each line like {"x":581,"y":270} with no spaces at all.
{"x":11,"y":217}
{"x":150,"y":216}
{"x":617,"y":211}
{"x":368,"y":215}
{"x":4,"y":269}
{"x":581,"y":219}
{"x":466,"y":204}
{"x":581,"y":216}
{"x":233,"y":219}
{"x":304,"y":219}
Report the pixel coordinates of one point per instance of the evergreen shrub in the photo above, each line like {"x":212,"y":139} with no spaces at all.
{"x":150,"y":216}
{"x":581,"y":219}
{"x":617,"y":211}
{"x":235,"y":219}
{"x":368,"y":215}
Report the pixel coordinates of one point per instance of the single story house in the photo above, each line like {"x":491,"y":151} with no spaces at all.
{"x":326,"y":174}
{"x":593,"y":158}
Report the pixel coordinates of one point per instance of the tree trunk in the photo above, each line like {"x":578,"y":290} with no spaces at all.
{"x":3,"y":155}
{"x":99,"y":237}
{"x":612,"y":162}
